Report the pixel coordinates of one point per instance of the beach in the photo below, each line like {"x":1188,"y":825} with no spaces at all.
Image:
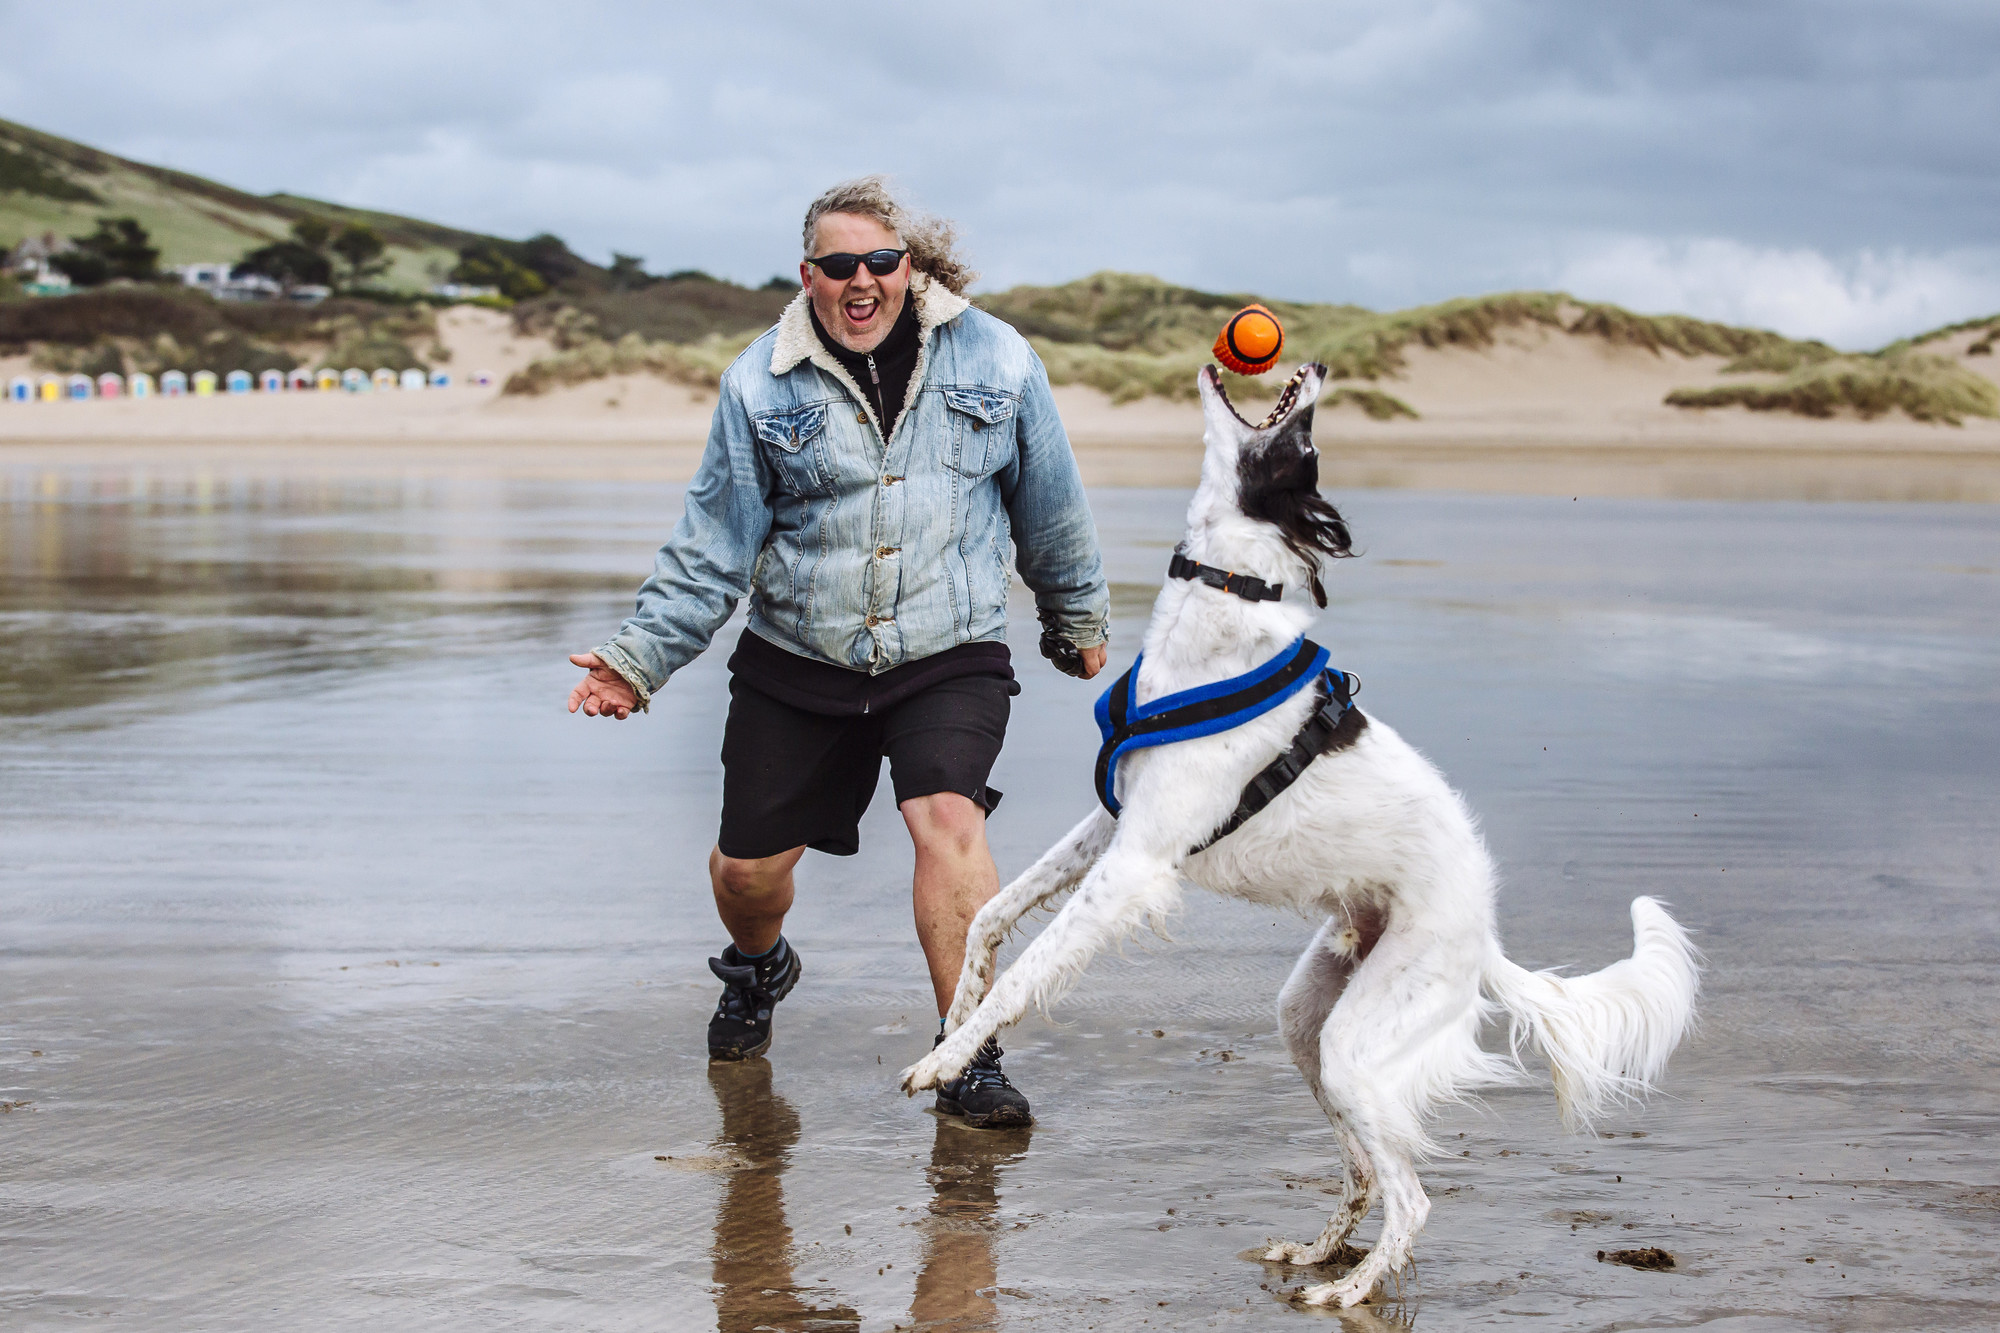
{"x":349,"y":980}
{"x":1539,"y":413}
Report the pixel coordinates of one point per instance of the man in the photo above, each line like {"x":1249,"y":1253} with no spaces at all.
{"x":870,"y":459}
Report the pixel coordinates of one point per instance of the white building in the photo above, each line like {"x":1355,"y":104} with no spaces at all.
{"x":215,"y":280}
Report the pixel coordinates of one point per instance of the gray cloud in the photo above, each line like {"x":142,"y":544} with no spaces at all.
{"x":1827,"y":167}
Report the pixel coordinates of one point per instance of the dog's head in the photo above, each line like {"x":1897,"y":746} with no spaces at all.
{"x":1269,"y":472}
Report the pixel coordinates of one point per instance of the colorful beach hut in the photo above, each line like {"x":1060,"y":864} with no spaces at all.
{"x":237,"y":381}
{"x":354,"y":380}
{"x":140,"y":385}
{"x":110,"y":384}
{"x":440,"y":379}
{"x":414,"y":379}
{"x":173,"y":384}
{"x":49,"y":390}
{"x":203,"y":383}
{"x":79,"y":387}
{"x":482,"y":377}
{"x":300,"y":379}
{"x":20,"y":389}
{"x":384,"y":378}
{"x":327,"y":379}
{"x":271,"y":381}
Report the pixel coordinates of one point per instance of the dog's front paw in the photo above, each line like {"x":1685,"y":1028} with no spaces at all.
{"x":925,"y":1073}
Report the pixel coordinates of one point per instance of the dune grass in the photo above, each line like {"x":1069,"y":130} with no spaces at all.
{"x":1378,"y":405}
{"x":697,"y":364}
{"x":1925,"y":386}
{"x":1133,"y":336}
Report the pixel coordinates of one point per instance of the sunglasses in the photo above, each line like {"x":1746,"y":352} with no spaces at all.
{"x":841,"y":267}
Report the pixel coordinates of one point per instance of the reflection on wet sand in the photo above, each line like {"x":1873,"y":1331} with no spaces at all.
{"x":754,"y":1288}
{"x":956,"y":1281}
{"x":752,"y":1258}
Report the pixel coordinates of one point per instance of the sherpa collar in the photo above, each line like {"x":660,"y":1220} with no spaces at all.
{"x":936,"y":304}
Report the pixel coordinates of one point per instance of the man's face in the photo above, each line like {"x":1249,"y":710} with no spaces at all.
{"x":860,"y":311}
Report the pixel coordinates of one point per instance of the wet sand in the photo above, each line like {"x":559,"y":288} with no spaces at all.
{"x":350,"y":982}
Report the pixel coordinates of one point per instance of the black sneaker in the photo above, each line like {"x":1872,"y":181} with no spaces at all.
{"x":741,"y":1027}
{"x":982,"y":1093}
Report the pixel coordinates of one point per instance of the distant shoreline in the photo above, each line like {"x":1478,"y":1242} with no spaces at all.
{"x":1734,"y":470}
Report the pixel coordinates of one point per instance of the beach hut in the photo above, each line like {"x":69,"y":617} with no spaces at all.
{"x":415,"y":379}
{"x":140,"y":385}
{"x":79,"y":387}
{"x":238,"y":381}
{"x":385,"y":378}
{"x":271,"y":381}
{"x":20,"y":389}
{"x":110,"y":384}
{"x":327,"y":380}
{"x":482,"y":377}
{"x":203,"y":383}
{"x":354,"y":380}
{"x":440,"y":379}
{"x":173,"y":384}
{"x":50,"y":389}
{"x":300,"y":379}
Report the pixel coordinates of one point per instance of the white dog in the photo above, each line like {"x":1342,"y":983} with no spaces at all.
{"x":1382,"y":1013}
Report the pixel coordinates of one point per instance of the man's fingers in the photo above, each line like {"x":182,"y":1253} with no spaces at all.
{"x":586,"y":659}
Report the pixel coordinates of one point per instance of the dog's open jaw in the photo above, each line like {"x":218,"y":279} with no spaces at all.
{"x":1310,"y":374}
{"x":1268,"y":472}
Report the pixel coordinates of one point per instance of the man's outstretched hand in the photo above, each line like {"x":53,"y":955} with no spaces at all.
{"x":602,"y":693}
{"x":1093,"y":660}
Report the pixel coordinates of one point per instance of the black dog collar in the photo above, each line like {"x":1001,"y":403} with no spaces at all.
{"x":1243,"y":585}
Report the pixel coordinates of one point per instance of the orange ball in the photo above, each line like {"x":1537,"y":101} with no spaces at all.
{"x":1250,"y":341}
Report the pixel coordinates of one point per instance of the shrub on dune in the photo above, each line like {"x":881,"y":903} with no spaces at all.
{"x":1925,"y":386}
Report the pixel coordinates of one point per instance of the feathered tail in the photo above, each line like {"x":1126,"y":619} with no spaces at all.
{"x":1607,"y":1035}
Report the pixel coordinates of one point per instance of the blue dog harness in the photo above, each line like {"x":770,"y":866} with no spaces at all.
{"x":1206,"y":710}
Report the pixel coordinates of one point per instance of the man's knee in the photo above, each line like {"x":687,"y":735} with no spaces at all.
{"x":946,"y":824}
{"x":752,"y":878}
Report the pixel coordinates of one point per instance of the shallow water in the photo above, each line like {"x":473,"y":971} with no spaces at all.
{"x":348,"y":981}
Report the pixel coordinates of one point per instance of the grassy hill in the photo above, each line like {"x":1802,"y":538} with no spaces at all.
{"x":48,"y":183}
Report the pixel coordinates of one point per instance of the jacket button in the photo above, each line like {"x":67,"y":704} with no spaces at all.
{"x":890,"y":481}
{"x":861,"y":417}
{"x":871,"y":622}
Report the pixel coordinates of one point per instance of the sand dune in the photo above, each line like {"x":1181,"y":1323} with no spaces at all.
{"x":1540,"y":411}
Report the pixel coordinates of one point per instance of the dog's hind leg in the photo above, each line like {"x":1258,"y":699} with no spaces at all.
{"x":1315,"y":985}
{"x":1402,"y":1038}
{"x":1058,"y":871}
{"x":1120,"y":893}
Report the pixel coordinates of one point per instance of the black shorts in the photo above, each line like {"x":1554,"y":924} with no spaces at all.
{"x":791,"y":778}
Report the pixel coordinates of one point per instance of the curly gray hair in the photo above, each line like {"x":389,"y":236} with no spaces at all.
{"x":931,"y":240}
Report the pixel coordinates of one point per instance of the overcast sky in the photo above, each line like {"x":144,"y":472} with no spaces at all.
{"x":1826,"y":168}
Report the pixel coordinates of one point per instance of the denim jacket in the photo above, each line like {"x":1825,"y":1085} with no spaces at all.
{"x":864,"y":553}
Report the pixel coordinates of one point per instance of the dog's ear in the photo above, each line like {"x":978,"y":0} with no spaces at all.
{"x":1319,"y":593}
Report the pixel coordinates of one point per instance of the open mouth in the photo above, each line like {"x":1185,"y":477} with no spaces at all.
{"x":862,"y":309}
{"x":1286,"y":399}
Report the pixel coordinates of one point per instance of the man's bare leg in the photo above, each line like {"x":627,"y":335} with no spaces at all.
{"x":752,"y":897}
{"x":955,"y":876}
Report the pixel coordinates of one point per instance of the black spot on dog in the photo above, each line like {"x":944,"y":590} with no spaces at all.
{"x":1278,"y":483}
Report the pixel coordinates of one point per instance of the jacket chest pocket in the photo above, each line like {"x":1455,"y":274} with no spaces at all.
{"x":794,"y":445}
{"x":982,"y":441}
